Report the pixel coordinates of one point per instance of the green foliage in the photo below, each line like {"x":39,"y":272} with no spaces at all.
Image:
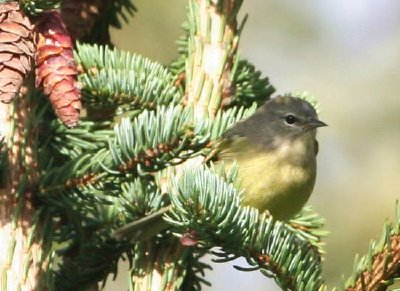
{"x":108,"y":172}
{"x":166,"y":137}
{"x":106,"y":179}
{"x":210,"y":208}
{"x":150,"y":142}
{"x":69,"y":143}
{"x":249,"y":86}
{"x":380,"y":267}
{"x":138,"y":198}
{"x":93,"y":262}
{"x":114,"y":77}
{"x":36,"y":7}
{"x":309,"y":225}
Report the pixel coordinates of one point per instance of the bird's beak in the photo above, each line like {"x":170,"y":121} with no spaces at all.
{"x":314,"y":123}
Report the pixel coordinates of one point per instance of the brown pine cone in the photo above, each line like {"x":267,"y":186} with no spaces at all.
{"x":56,"y":70}
{"x":16,"y":49}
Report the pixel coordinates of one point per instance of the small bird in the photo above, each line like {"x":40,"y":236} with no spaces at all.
{"x":275,"y":151}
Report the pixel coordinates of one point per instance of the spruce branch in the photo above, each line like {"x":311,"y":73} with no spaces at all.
{"x":150,"y":142}
{"x":209,"y":209}
{"x":380,"y":267}
{"x":91,"y":187}
{"x":131,"y":81}
{"x":88,"y":136}
{"x":247,"y":86}
{"x":309,"y":225}
{"x":95,"y":260}
{"x":168,"y":136}
{"x":82,"y":220}
{"x":211,"y":54}
{"x":91,"y":180}
{"x":139,"y":198}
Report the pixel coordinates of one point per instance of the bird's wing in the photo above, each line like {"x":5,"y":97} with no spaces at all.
{"x":232,"y":147}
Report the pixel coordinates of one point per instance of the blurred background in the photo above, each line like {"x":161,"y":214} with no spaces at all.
{"x":347,"y":54}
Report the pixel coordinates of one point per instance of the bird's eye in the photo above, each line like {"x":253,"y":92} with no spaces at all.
{"x":290,"y":119}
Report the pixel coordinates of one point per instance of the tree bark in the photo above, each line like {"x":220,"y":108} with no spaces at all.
{"x":22,"y":259}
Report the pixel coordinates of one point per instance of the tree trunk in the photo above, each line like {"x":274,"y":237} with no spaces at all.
{"x":22,"y":260}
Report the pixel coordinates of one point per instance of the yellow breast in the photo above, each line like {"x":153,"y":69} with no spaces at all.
{"x":279,"y":180}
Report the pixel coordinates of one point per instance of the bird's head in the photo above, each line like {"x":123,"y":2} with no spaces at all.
{"x":291,"y":116}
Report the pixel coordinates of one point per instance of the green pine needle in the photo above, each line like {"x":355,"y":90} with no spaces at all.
{"x":204,"y":203}
{"x":36,"y":7}
{"x":249,"y":86}
{"x":309,"y":225}
{"x":380,"y":266}
{"x":128,"y":80}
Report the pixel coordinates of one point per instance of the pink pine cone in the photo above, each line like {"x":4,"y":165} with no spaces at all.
{"x":56,"y":70}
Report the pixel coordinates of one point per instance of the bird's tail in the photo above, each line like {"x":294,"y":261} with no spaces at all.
{"x":143,"y":228}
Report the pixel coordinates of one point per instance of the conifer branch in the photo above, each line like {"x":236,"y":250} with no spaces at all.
{"x":91,"y":264}
{"x":247,"y":86}
{"x":380,"y":267}
{"x":103,"y":178}
{"x":211,"y":49}
{"x":208,"y":210}
{"x":67,"y":143}
{"x":149,"y":143}
{"x":309,"y":225}
{"x":131,"y":81}
{"x":93,"y":179}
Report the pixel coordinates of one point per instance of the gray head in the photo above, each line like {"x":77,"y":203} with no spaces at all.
{"x":290,"y":116}
{"x":282,"y":116}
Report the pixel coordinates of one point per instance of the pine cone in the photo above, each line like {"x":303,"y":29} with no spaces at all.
{"x":80,"y":16}
{"x":16,"y":49}
{"x":56,"y":70}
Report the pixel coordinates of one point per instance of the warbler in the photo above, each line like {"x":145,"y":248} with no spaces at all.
{"x":275,"y":151}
